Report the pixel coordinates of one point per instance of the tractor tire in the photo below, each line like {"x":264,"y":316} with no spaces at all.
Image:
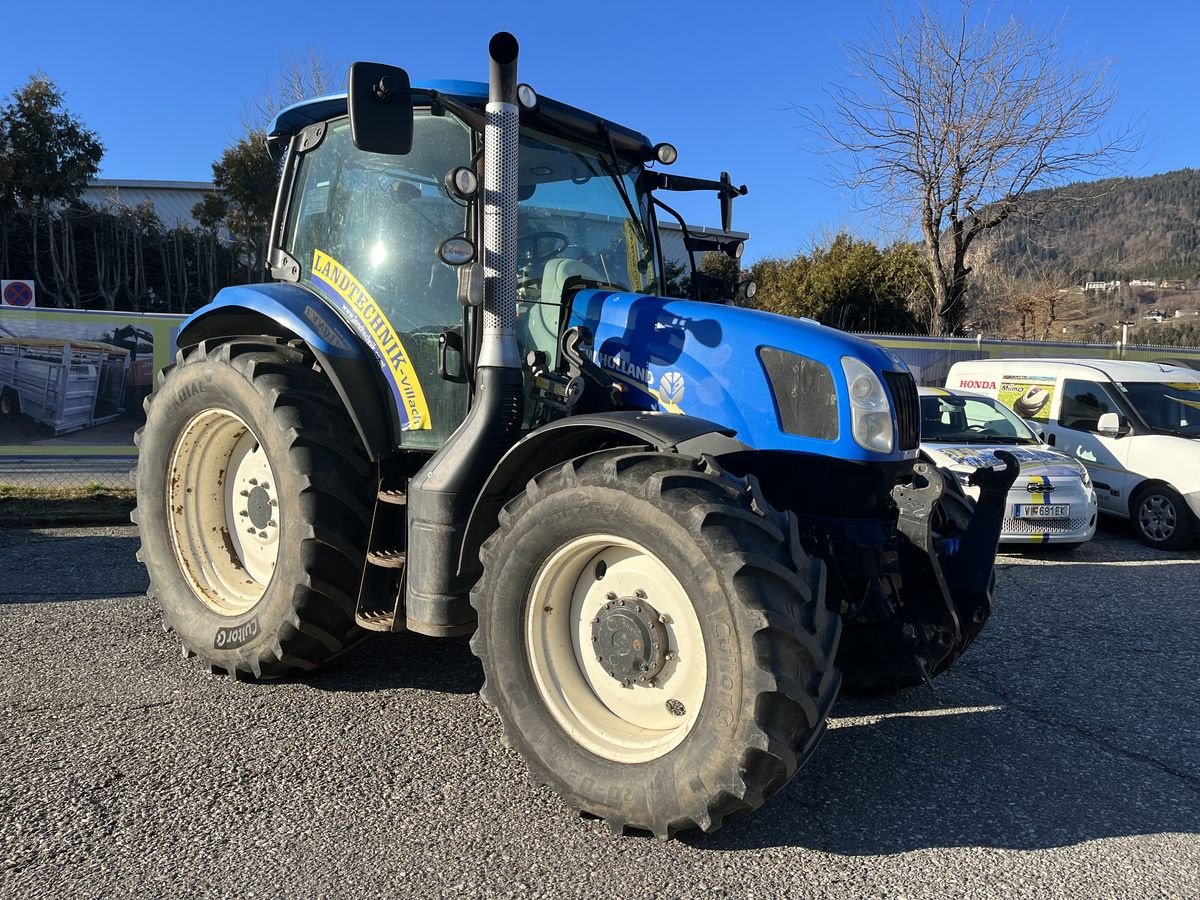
{"x":655,"y":640}
{"x":861,"y":678}
{"x":253,"y":506}
{"x":1161,"y":518}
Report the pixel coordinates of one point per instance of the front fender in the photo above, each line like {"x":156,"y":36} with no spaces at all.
{"x":291,"y":311}
{"x":574,"y":436}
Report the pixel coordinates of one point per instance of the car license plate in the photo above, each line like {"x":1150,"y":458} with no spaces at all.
{"x":1043,"y":511}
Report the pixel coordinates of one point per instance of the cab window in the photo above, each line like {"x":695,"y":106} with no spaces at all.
{"x":1083,"y":403}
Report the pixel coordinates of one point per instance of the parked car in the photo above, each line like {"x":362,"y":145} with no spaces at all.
{"x":1052,"y":500}
{"x":1135,"y":425}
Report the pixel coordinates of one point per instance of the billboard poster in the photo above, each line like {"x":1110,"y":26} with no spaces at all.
{"x":1029,"y":396}
{"x":72,"y":382}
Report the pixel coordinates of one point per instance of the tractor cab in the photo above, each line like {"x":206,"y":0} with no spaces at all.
{"x":366,"y":231}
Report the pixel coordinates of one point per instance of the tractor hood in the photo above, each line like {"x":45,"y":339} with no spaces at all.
{"x":723,"y":363}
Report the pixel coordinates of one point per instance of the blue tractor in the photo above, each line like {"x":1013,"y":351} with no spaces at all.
{"x":463,"y":405}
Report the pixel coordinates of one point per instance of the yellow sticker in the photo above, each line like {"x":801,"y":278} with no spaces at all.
{"x":369,"y":320}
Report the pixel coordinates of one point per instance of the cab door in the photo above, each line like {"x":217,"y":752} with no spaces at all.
{"x":1074,"y":432}
{"x":363,"y":229}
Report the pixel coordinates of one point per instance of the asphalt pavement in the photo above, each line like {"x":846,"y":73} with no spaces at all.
{"x":1059,"y":758}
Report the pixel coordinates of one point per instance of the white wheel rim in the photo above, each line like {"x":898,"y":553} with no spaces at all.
{"x":630,"y":723}
{"x":223,"y":511}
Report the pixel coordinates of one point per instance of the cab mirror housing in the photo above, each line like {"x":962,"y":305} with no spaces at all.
{"x":381,"y":109}
{"x":1110,"y":424}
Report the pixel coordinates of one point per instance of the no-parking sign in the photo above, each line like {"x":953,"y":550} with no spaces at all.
{"x":17,"y":293}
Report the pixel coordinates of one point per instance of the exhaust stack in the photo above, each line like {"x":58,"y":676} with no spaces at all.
{"x":500,"y":184}
{"x":442,"y":494}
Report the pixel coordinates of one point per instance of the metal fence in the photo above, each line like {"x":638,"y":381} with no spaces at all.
{"x":67,"y":473}
{"x":930,"y":358}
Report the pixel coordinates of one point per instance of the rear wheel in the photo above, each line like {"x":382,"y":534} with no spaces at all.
{"x":253,"y":508}
{"x":1161,"y":518}
{"x":655,"y":640}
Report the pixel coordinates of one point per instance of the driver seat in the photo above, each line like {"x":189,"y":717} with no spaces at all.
{"x":539,"y":325}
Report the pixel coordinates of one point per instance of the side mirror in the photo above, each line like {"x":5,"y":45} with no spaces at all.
{"x":1110,"y":425}
{"x":381,"y":109}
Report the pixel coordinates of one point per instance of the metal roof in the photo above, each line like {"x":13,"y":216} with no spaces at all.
{"x":172,"y":200}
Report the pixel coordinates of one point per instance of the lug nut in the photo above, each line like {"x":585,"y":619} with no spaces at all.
{"x":640,"y":594}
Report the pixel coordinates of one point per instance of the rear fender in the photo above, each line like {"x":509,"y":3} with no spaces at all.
{"x":575,"y":436}
{"x":292,"y":312}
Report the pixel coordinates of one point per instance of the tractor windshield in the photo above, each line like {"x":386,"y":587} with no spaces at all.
{"x":575,"y":222}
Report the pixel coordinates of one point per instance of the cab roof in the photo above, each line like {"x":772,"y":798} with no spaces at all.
{"x":580,"y":124}
{"x":1116,"y":369}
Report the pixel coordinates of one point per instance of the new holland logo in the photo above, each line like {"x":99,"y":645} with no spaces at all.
{"x":670,"y":388}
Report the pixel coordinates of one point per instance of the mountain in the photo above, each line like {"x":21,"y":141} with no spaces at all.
{"x":1115,"y":229}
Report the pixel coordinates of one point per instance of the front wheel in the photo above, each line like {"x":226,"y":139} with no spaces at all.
{"x":1161,"y":518}
{"x":655,"y":640}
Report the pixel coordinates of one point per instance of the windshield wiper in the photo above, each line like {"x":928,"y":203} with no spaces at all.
{"x":980,"y":439}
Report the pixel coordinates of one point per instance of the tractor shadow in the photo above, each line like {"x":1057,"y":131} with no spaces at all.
{"x":900,"y":775}
{"x":389,"y":661}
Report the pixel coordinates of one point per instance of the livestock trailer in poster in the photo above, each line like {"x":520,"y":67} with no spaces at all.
{"x":66,"y":385}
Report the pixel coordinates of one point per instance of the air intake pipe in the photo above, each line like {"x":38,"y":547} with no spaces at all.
{"x":442,"y":494}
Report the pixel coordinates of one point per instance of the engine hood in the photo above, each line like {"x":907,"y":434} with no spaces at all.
{"x":1039,"y":460}
{"x":703,"y":359}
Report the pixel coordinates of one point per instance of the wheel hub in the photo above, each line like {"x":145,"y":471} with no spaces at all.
{"x":258,"y":506}
{"x":630,"y":639}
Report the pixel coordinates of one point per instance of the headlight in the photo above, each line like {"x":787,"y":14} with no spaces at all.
{"x":1084,"y":476}
{"x":963,"y":477}
{"x":870,"y":411}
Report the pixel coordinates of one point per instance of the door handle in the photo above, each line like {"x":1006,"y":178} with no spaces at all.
{"x":451,"y":340}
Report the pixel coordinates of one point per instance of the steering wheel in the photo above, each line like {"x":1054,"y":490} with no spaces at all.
{"x":538,"y":246}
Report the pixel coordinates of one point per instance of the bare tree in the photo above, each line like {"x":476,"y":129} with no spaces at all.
{"x":303,"y":75}
{"x":955,"y":119}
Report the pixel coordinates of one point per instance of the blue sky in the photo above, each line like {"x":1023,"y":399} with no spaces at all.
{"x":164,"y":83}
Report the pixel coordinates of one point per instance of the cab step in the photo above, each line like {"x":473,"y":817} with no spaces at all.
{"x":380,"y":604}
{"x":387,"y":559}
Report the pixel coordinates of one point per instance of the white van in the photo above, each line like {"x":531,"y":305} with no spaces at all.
{"x":1135,"y":425}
